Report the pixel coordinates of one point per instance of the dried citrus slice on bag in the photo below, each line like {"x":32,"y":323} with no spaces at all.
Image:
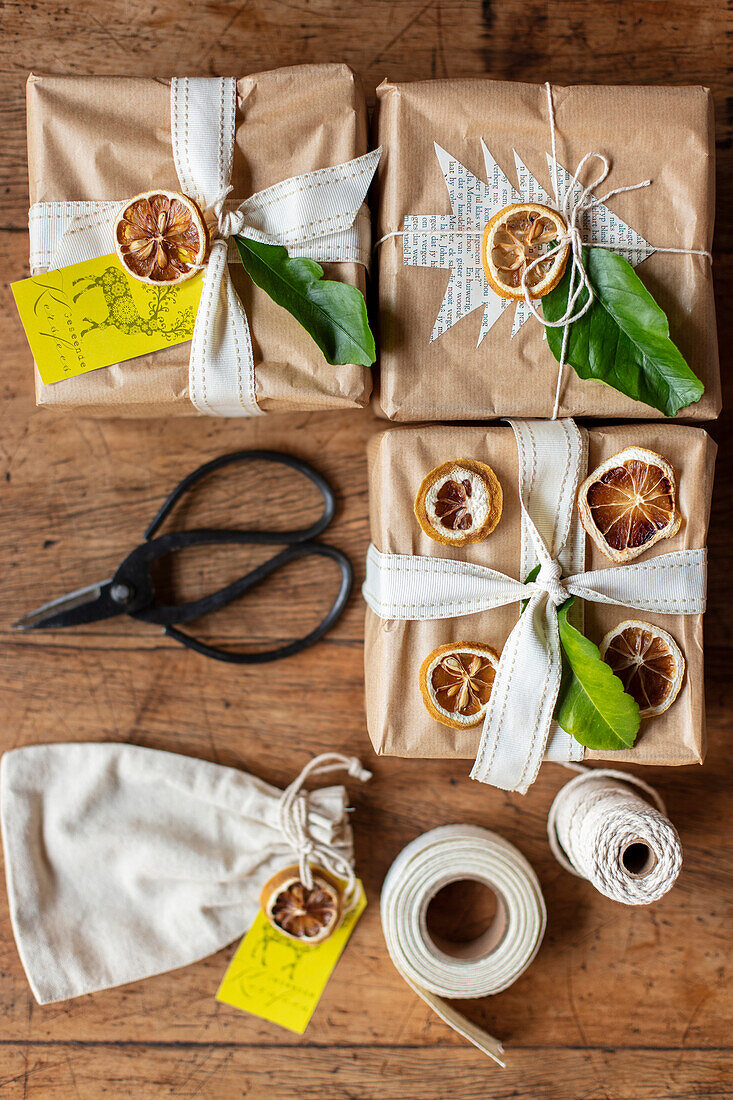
{"x":456,"y":682}
{"x":629,"y":503}
{"x":459,"y":502}
{"x":514,"y":238}
{"x":306,"y":915}
{"x":649,"y":663}
{"x":160,"y":237}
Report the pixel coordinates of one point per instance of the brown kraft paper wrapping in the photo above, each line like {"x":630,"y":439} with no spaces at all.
{"x":452,"y":378}
{"x":399,"y":724}
{"x":109,"y":138}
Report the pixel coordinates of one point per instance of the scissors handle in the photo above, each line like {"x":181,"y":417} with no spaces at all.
{"x":133,"y":582}
{"x":291,"y":553}
{"x":133,"y":587}
{"x":263,"y":537}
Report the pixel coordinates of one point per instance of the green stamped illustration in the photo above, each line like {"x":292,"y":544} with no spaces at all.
{"x":92,"y":314}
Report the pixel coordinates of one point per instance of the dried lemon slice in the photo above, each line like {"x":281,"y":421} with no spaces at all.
{"x":160,"y":237}
{"x":649,"y":663}
{"x":306,"y":915}
{"x":456,"y":682}
{"x":514,"y":238}
{"x":628,"y":503}
{"x":459,"y":502}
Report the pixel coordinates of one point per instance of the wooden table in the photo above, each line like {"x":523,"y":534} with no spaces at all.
{"x":620,"y":1003}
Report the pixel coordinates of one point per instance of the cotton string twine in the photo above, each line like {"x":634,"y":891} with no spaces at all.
{"x":294,"y":813}
{"x":493,"y":961}
{"x":603,"y":827}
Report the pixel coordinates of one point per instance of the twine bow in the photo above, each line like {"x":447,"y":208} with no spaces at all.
{"x":294,"y":814}
{"x":572,"y":207}
{"x":575,"y":202}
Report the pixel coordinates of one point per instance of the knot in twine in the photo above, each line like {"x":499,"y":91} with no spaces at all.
{"x":571,"y":208}
{"x":293,"y":817}
{"x":550,"y":579}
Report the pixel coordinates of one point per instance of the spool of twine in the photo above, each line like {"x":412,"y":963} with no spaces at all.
{"x":611,"y":828}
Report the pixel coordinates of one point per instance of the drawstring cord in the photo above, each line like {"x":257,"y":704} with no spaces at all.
{"x":293,"y":820}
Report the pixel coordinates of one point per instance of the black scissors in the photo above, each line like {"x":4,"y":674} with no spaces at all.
{"x":131,"y":591}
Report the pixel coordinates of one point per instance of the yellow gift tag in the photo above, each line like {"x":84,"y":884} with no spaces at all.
{"x":280,"y":980}
{"x":92,"y":314}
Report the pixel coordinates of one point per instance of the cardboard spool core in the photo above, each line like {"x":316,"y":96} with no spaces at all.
{"x":466,"y":919}
{"x":638,"y":859}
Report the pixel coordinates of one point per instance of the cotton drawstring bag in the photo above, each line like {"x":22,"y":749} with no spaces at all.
{"x":123,"y":862}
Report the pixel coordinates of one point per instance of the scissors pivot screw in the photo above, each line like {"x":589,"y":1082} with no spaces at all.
{"x":121,"y":593}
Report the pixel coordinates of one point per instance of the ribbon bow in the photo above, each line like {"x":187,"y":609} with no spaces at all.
{"x":319,"y":213}
{"x":519,"y":723}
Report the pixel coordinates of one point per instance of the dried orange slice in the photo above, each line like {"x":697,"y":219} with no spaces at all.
{"x":513,"y":239}
{"x":629,"y":503}
{"x":306,"y":915}
{"x":456,"y":682}
{"x":459,"y":502}
{"x":160,"y":237}
{"x":649,"y":663}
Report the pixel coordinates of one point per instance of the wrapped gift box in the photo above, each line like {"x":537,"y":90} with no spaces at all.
{"x":108,"y":138}
{"x":399,"y":723}
{"x":455,"y":377}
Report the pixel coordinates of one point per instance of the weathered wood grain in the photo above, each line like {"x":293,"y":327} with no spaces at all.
{"x":599,"y":41}
{"x":620,"y":1004}
{"x":60,"y":1070}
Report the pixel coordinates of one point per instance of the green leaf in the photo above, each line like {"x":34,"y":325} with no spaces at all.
{"x":623,"y":339}
{"x":333,"y":313}
{"x":592,"y":706}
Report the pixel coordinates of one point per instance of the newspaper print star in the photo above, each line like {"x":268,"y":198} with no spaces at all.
{"x":453,"y":241}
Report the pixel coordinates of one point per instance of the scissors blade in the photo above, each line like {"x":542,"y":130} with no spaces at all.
{"x":85,"y":605}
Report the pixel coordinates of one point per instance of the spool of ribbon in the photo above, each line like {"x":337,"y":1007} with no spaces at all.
{"x":320,"y":213}
{"x":611,"y":828}
{"x":496,"y":959}
{"x":518,"y":730}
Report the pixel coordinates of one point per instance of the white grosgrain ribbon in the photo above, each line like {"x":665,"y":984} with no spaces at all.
{"x":489,"y":964}
{"x":518,"y":725}
{"x":319,"y":214}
